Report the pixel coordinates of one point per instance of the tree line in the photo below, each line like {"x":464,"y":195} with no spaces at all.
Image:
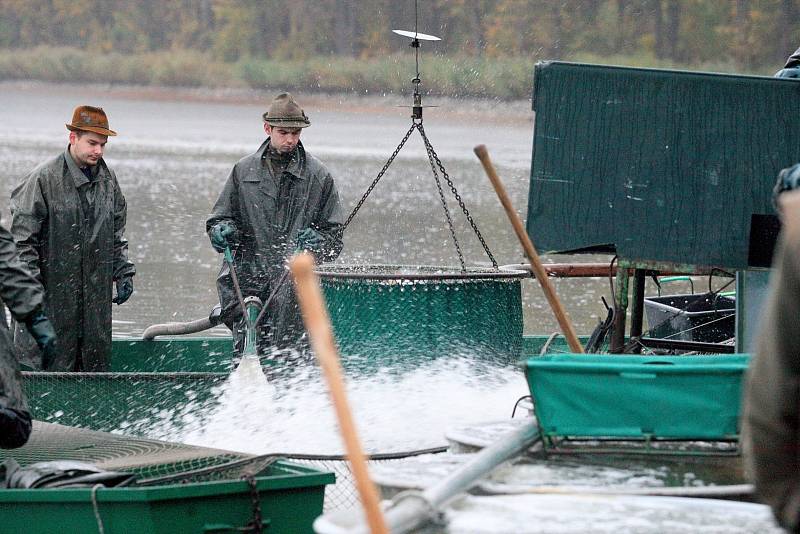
{"x":751,"y":34}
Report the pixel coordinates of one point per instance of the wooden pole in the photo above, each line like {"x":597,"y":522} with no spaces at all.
{"x":318,"y":324}
{"x":536,"y":264}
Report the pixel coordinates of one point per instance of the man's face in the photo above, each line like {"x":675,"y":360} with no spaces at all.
{"x":86,"y":148}
{"x":284,"y":140}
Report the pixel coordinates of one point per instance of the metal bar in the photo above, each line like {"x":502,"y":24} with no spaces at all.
{"x":637,"y":311}
{"x":620,"y":311}
{"x":680,"y":344}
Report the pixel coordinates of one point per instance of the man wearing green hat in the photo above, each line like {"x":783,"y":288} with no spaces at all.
{"x":275,"y":201}
{"x":68,"y":220}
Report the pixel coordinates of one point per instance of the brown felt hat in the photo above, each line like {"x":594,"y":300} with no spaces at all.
{"x":90,"y":119}
{"x":286,"y":112}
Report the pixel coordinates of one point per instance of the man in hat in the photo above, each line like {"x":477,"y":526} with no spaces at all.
{"x":277,"y":200}
{"x":68,"y":220}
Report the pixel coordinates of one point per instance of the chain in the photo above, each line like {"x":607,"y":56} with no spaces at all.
{"x":444,"y":206}
{"x":380,"y":175}
{"x":464,"y":209}
{"x":256,"y":524}
{"x":435,"y":162}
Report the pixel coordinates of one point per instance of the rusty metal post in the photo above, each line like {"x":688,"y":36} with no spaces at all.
{"x":620,"y":311}
{"x":637,"y":311}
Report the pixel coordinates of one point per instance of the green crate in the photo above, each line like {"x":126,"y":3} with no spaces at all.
{"x":290,"y":498}
{"x":637,"y":397}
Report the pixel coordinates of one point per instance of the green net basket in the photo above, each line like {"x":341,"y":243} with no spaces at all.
{"x":386,"y":313}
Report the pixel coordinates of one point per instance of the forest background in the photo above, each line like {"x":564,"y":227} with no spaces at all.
{"x":488,"y":47}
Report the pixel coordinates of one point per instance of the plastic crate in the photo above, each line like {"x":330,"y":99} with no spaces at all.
{"x":692,"y":317}
{"x":639,"y":397}
{"x":290,"y":498}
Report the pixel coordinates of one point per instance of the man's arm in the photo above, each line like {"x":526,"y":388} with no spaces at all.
{"x":19,"y":290}
{"x":226,"y":208}
{"x":329,"y":221}
{"x":28,"y":217}
{"x":123,"y":267}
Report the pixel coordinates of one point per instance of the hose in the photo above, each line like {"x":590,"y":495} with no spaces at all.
{"x":177,"y":329}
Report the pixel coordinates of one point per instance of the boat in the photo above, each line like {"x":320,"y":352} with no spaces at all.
{"x":176,"y":488}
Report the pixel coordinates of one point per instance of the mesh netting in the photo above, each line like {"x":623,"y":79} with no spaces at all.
{"x":344,"y":494}
{"x":159,"y":462}
{"x":423,"y":312}
{"x":129,"y":402}
{"x":146,"y":457}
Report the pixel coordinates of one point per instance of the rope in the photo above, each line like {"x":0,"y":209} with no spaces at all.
{"x":96,"y":509}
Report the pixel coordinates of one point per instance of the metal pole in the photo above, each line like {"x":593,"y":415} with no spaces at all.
{"x":637,"y":311}
{"x":620,"y":311}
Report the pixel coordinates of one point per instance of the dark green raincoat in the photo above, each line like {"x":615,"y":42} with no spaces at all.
{"x":268,"y":212}
{"x":70,"y":232}
{"x":23,"y":295}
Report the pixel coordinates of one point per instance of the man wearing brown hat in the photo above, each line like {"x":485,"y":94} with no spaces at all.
{"x":68,"y":220}
{"x":277,"y":200}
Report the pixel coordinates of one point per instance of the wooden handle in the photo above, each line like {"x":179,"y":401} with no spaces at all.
{"x":318,"y":324}
{"x":536,"y":264}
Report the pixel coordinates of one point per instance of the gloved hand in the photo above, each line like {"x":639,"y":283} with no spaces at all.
{"x":311,"y":240}
{"x":124,"y":289}
{"x":44,"y":334}
{"x":219,"y":235}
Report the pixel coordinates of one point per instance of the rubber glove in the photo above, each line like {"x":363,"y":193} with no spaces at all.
{"x":124,"y":290}
{"x":42,"y":331}
{"x":311,"y":240}
{"x":219,"y":235}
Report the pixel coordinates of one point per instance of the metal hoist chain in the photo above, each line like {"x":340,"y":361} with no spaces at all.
{"x":380,"y":175}
{"x":464,"y":209}
{"x":431,"y":154}
{"x":435,"y":162}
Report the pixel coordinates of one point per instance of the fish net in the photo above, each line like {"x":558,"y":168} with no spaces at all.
{"x":399,"y":312}
{"x":122,"y":402}
{"x":158,"y":462}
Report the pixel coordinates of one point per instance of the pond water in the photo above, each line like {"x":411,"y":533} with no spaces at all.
{"x":174,"y":152}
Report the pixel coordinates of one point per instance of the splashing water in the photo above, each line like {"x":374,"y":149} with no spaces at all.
{"x":395,"y":410}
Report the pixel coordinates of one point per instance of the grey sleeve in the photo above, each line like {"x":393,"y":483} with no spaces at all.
{"x":330,"y":220}
{"x":226,"y":208}
{"x":122,"y":265}
{"x":19,"y":290}
{"x":28,"y":217}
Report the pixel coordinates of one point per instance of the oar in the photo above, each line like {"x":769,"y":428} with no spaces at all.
{"x":320,"y":332}
{"x":536,"y":264}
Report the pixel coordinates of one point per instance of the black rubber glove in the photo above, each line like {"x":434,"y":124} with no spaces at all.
{"x":124,"y":290}
{"x":15,"y":428}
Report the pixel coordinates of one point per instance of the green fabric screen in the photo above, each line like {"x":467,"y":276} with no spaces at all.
{"x":624,"y":396}
{"x":665,"y":165}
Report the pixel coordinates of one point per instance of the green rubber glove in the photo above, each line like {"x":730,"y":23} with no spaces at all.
{"x":311,"y":240}
{"x":219,"y":235}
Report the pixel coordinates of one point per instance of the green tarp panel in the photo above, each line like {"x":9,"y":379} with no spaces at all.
{"x":664,"y":165}
{"x":636,"y":397}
